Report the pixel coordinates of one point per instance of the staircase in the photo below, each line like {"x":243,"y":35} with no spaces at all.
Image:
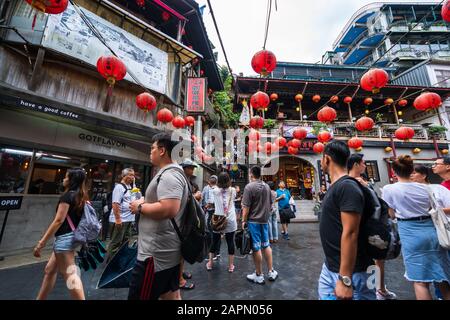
{"x":305,"y":211}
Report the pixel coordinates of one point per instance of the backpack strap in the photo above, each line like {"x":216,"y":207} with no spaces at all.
{"x":126,"y":190}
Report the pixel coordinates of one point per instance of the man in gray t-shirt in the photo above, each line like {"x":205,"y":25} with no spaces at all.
{"x":156,"y":274}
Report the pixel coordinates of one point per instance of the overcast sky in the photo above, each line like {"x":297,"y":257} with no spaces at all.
{"x":300,"y":31}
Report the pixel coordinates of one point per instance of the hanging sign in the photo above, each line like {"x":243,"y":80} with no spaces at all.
{"x":195,"y":95}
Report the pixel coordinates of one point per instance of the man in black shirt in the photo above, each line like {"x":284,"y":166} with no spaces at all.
{"x":344,"y":273}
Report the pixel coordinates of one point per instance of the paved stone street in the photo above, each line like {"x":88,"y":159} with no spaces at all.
{"x":298,"y":262}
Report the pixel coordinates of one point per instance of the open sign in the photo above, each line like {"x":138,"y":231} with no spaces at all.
{"x":10,"y":203}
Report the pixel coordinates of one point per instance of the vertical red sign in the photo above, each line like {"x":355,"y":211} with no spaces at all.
{"x":196,"y":95}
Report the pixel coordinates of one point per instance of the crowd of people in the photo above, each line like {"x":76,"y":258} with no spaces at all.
{"x":159,"y":270}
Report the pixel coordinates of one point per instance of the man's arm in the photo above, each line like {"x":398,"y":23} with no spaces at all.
{"x":116,"y":211}
{"x":163,"y":209}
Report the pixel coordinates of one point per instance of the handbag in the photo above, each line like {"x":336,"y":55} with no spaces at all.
{"x":440,"y":220}
{"x":243,"y":241}
{"x":287,"y":213}
{"x":219,"y":222}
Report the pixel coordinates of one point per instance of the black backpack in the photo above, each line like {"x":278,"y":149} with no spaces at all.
{"x":378,"y":233}
{"x":193,"y":236}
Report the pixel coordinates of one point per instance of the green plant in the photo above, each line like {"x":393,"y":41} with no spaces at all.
{"x":269,"y":124}
{"x":436,"y":130}
{"x":379,"y":117}
{"x":319,"y":126}
{"x":223,"y":104}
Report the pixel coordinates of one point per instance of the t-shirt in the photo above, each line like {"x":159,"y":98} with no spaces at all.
{"x":408,"y":199}
{"x":446,"y":184}
{"x":343,"y":195}
{"x":274,"y":204}
{"x":123,"y":199}
{"x":158,"y":238}
{"x":224,"y":201}
{"x":441,"y":194}
{"x":284,"y":202}
{"x":205,"y":195}
{"x":75,"y":214}
{"x":258,"y":199}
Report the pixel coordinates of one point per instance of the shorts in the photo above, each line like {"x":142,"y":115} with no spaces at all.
{"x":64,"y":243}
{"x":146,"y":284}
{"x":259,"y":232}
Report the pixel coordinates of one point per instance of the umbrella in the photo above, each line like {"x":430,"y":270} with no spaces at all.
{"x":117,"y":273}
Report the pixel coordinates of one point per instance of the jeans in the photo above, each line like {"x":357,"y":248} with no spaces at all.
{"x":273,"y":226}
{"x":327,"y":285}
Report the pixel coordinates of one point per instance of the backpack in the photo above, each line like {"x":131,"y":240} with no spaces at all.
{"x":89,"y":227}
{"x":378,"y":232}
{"x":193,"y":237}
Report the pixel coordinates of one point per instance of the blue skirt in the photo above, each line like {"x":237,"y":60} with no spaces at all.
{"x":425,"y":260}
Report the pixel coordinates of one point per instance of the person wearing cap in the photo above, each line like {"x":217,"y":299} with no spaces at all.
{"x":208,"y":205}
{"x":189,"y":166}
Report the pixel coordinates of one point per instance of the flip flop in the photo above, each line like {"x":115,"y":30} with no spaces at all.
{"x":187,"y":286}
{"x":187,"y":275}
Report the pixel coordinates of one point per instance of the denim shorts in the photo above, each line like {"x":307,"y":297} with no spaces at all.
{"x":259,"y":232}
{"x":64,"y":243}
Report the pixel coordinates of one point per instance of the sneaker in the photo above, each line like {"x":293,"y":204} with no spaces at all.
{"x":286,"y":236}
{"x":217,"y":257}
{"x":387,"y":295}
{"x":272,"y":275}
{"x":255,"y":278}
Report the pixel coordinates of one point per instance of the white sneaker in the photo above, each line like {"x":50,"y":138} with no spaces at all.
{"x":272,"y":275}
{"x":255,"y":278}
{"x":388,"y":295}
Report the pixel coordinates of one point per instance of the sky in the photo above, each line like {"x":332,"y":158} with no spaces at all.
{"x":300,"y":30}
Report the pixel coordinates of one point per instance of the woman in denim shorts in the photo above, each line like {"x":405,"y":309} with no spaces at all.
{"x":68,"y":215}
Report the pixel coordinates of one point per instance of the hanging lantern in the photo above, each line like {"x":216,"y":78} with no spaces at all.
{"x":417,"y":151}
{"x":318,"y":147}
{"x":316,"y":98}
{"x":374,"y":79}
{"x":334,"y":99}
{"x":280,"y":142}
{"x":292,"y":150}
{"x":190,"y":121}
{"x":388,"y":101}
{"x":324,"y":136}
{"x":355,"y":143}
{"x":404,"y":133}
{"x":400,"y":113}
{"x":140,"y":3}
{"x":300,"y":133}
{"x":367,"y":111}
{"x":49,"y":6}
{"x":145,"y":101}
{"x":257,"y":122}
{"x":254,"y":135}
{"x":274,"y":97}
{"x":444,"y":151}
{"x":326,"y":115}
{"x":348,"y":100}
{"x":164,"y":115}
{"x":368,"y":101}
{"x":259,"y":100}
{"x":253,"y":146}
{"x":445,"y":11}
{"x":427,"y":101}
{"x":364,"y":124}
{"x":295,"y":143}
{"x":268,"y":148}
{"x":111,"y":68}
{"x":388,"y":149}
{"x":165,"y":16}
{"x":403,"y":103}
{"x":297,"y":109}
{"x":178,"y":122}
{"x":264,"y":62}
{"x":299,"y":97}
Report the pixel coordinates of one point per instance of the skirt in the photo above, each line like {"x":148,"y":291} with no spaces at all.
{"x":425,"y":260}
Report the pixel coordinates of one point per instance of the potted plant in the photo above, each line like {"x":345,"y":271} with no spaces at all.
{"x":436,"y":131}
{"x":319,"y":126}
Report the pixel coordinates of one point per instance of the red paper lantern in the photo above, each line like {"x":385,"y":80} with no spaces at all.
{"x":49,"y":6}
{"x":404,"y":133}
{"x":178,"y":122}
{"x":254,"y":135}
{"x":427,"y":101}
{"x":327,"y":115}
{"x":318,"y":147}
{"x":299,"y":97}
{"x":403,"y":103}
{"x":145,"y":101}
{"x":165,"y":16}
{"x":111,"y":68}
{"x":334,"y":99}
{"x":140,"y":3}
{"x":374,"y":79}
{"x":295,"y":143}
{"x":268,"y":148}
{"x":300,"y":133}
{"x":274,"y":97}
{"x":388,"y":101}
{"x":292,"y":150}
{"x":280,"y":142}
{"x":257,"y":122}
{"x":355,"y":143}
{"x":259,"y":100}
{"x":190,"y":121}
{"x":316,"y":98}
{"x":364,"y":124}
{"x":445,"y":11}
{"x":348,"y":100}
{"x":324,"y":136}
{"x":264,"y":62}
{"x":164,"y":115}
{"x":368,"y":101}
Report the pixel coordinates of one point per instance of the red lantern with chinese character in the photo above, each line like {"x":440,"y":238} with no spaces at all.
{"x":364,"y":124}
{"x":318,"y":147}
{"x":145,"y":101}
{"x":355,"y":143}
{"x":388,"y":101}
{"x":292,"y":150}
{"x":327,"y":115}
{"x":178,"y":122}
{"x":299,"y":97}
{"x":111,"y":68}
{"x":445,"y":11}
{"x":300,"y":133}
{"x":427,"y":101}
{"x":274,"y":97}
{"x":260,"y":100}
{"x":324,"y":136}
{"x":334,"y":99}
{"x":164,"y":115}
{"x":316,"y":98}
{"x":254,"y":135}
{"x":374,"y":79}
{"x":295,"y":143}
{"x":264,"y":62}
{"x":404,"y":133}
{"x":190,"y":121}
{"x":257,"y":122}
{"x":368,"y":101}
{"x":280,"y":142}
{"x":165,"y":16}
{"x":348,"y":100}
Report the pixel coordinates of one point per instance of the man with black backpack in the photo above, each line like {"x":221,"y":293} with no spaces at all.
{"x":344,"y":274}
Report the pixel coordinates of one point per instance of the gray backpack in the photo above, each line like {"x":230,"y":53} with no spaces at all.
{"x":89,"y":227}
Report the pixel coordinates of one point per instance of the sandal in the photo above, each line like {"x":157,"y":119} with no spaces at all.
{"x":188,"y":286}
{"x":209,"y":266}
{"x":187,"y":275}
{"x":231,"y":269}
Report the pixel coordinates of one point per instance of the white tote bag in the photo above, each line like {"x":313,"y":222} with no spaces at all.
{"x":440,"y":220}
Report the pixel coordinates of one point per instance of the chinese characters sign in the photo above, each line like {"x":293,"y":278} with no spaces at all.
{"x":196,"y":95}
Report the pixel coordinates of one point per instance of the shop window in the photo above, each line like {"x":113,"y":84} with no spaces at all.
{"x":139,"y":171}
{"x":372,"y":170}
{"x":14,"y":168}
{"x":99,"y":178}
